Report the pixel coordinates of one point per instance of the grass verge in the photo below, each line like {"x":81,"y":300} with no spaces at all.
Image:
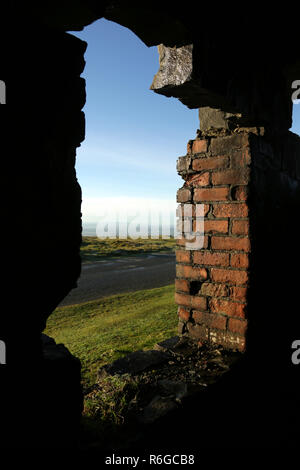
{"x":93,"y":248}
{"x":98,"y":332}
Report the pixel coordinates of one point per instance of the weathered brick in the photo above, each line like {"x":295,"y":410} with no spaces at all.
{"x":240,"y":227}
{"x":191,"y":210}
{"x":238,"y":293}
{"x":229,"y":276}
{"x":225,"y":145}
{"x":199,"y":146}
{"x":182,"y":285}
{"x":211,"y":259}
{"x":191,"y":272}
{"x":211,"y":320}
{"x":183,"y":256}
{"x":237,"y":326}
{"x":239,"y":260}
{"x":198,"y":180}
{"x":210,"y":163}
{"x":214,"y":290}
{"x":237,"y":176}
{"x":183,"y":299}
{"x":240,"y":193}
{"x":197,"y":240}
{"x":241,"y":158}
{"x":183,"y":164}
{"x":179,"y":270}
{"x":184,"y":195}
{"x":214,"y":226}
{"x":232,"y":309}
{"x":199,"y":302}
{"x":230,"y":243}
{"x":230,"y":210}
{"x":211,"y":194}
{"x":183,"y":313}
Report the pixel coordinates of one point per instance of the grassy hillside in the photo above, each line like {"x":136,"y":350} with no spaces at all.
{"x":98,"y":332}
{"x":93,"y":248}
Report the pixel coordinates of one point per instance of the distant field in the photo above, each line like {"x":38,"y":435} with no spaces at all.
{"x":93,"y":248}
{"x":98,"y":332}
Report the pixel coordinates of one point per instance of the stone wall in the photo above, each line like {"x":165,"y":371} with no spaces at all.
{"x":42,"y":123}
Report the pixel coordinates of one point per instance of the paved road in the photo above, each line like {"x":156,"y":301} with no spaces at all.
{"x":113,"y":276}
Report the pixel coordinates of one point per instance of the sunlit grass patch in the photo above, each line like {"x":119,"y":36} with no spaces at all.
{"x":98,"y":332}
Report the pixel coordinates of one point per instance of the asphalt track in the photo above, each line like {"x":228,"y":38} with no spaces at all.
{"x":125,"y":274}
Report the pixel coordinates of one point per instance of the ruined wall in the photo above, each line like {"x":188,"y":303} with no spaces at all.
{"x":42,"y":124}
{"x":212,"y":282}
{"x":248,"y":181}
{"x":274,"y":320}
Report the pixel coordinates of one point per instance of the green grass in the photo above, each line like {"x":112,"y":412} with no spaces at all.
{"x":98,"y":332}
{"x":93,"y":248}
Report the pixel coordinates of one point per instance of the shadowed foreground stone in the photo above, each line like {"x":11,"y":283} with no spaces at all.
{"x":134,"y":363}
{"x":52,"y":397}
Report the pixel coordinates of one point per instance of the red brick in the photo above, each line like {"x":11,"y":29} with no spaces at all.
{"x":241,"y":158}
{"x":179,"y":270}
{"x":240,"y":227}
{"x":199,"y":146}
{"x":199,"y":302}
{"x":209,"y":319}
{"x":238,"y":176}
{"x":182,"y":242}
{"x":229,"y":276}
{"x":240,"y":193}
{"x":238,"y":293}
{"x":210,"y":163}
{"x":239,"y":260}
{"x":191,"y":272}
{"x":198,"y":180}
{"x":211,"y":194}
{"x":230,"y":243}
{"x":183,"y":210}
{"x":182,"y":285}
{"x":197,"y":273}
{"x":183,"y":195}
{"x":214,"y":290}
{"x":230,"y":210}
{"x":213,"y":225}
{"x":191,"y":301}
{"x":183,"y":299}
{"x":237,"y":326}
{"x":183,"y":313}
{"x":232,"y":309}
{"x":212,"y":259}
{"x":183,"y":256}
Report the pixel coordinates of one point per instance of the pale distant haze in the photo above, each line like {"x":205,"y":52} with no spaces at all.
{"x":133,"y":135}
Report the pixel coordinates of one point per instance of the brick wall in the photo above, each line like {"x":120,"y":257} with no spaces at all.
{"x":240,"y":178}
{"x":211,"y":283}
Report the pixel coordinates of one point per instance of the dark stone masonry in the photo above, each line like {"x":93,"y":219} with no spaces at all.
{"x":239,"y":291}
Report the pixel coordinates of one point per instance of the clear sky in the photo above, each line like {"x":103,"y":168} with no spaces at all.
{"x":133,"y":135}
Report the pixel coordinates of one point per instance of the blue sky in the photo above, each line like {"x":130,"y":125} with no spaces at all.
{"x":133,"y":135}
